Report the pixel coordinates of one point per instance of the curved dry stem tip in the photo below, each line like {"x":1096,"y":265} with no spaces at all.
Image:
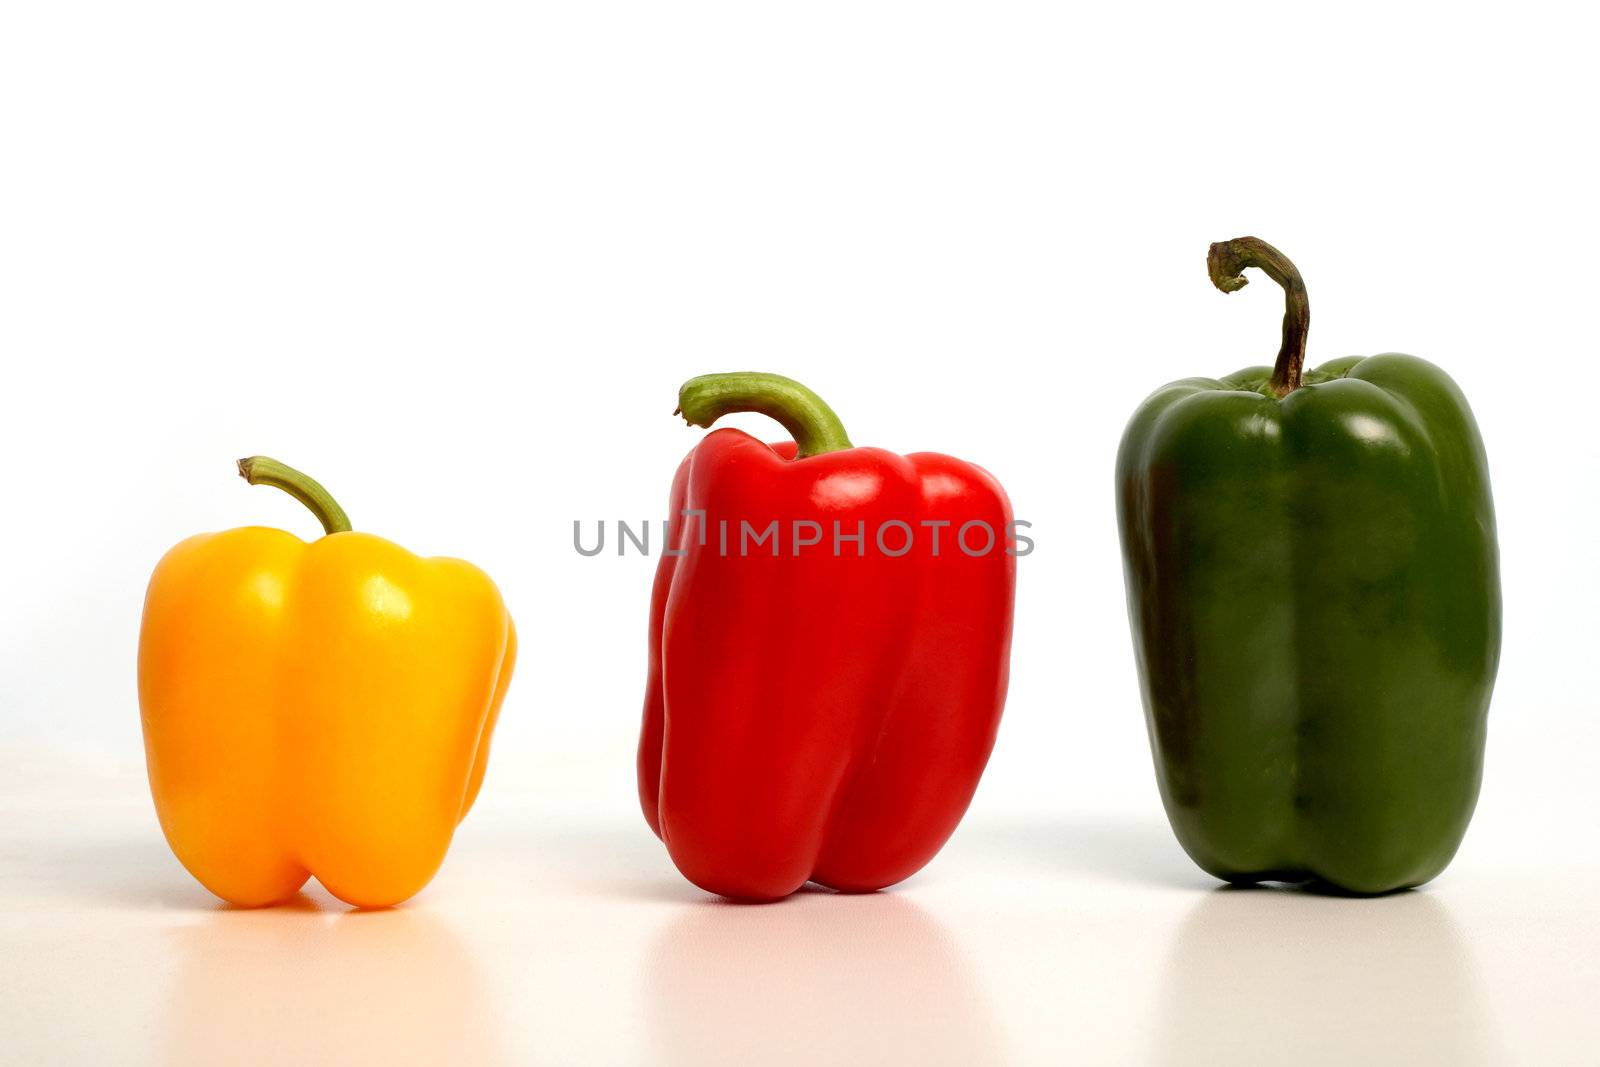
{"x":1227,"y":273}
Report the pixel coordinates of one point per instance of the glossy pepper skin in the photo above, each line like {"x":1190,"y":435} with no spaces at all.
{"x":1313,"y":588}
{"x":317,"y":709}
{"x":811,"y":716}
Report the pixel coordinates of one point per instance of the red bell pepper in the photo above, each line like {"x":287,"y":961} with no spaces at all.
{"x":830,"y":632}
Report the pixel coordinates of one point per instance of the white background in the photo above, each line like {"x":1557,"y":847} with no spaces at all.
{"x":454,"y":260}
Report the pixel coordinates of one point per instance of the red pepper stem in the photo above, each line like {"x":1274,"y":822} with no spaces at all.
{"x":1227,"y":262}
{"x":812,"y":423}
{"x":263,"y":470}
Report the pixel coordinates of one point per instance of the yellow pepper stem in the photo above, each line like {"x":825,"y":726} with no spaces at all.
{"x":263,"y":470}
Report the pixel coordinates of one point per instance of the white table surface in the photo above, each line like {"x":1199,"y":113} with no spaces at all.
{"x":554,"y":937}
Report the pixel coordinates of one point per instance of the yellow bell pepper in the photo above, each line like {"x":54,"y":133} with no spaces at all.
{"x":316,"y":709}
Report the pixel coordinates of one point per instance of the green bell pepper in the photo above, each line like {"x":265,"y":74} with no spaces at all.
{"x":1313,"y":588}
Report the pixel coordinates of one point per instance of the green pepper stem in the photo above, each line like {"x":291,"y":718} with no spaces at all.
{"x":812,"y":423}
{"x":263,"y":470}
{"x":1227,"y":262}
